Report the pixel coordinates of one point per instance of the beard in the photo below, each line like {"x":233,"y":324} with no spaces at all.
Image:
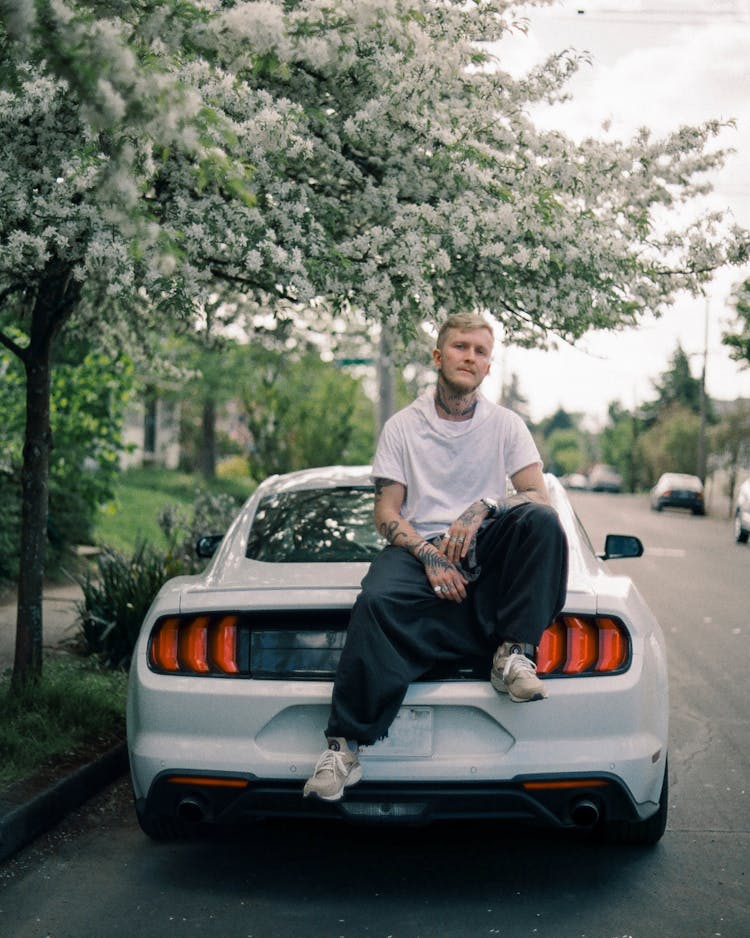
{"x":455,"y":400}
{"x":457,"y":391}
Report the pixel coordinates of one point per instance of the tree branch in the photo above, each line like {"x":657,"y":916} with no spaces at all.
{"x":16,"y":349}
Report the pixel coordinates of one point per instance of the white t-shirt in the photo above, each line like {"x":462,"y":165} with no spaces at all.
{"x":448,"y":464}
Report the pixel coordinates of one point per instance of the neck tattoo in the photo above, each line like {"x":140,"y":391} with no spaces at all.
{"x":458,"y":406}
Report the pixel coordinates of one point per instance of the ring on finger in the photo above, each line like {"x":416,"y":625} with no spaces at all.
{"x":438,"y":589}
{"x":444,"y":589}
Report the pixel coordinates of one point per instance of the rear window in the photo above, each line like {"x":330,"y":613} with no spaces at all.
{"x":331,"y":525}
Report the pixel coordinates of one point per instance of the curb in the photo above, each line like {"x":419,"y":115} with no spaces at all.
{"x":20,"y":824}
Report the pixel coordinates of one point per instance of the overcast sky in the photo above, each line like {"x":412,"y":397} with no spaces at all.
{"x":658,"y":63}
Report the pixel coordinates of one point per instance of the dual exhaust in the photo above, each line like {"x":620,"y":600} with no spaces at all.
{"x":584,"y":813}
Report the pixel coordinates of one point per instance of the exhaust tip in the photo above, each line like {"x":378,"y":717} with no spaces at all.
{"x":584,"y":813}
{"x":191,"y":810}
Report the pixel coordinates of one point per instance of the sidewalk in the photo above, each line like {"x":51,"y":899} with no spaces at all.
{"x":58,"y":620}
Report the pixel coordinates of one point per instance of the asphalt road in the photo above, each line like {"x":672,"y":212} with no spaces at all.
{"x":97,"y":876}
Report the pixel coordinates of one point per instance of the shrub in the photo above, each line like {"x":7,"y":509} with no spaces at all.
{"x":211,"y":513}
{"x":117,"y":597}
{"x":116,"y":600}
{"x":233,"y":467}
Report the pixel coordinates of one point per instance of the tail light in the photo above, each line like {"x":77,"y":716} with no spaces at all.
{"x":578,"y":644}
{"x":202,"y":644}
{"x":218,"y":644}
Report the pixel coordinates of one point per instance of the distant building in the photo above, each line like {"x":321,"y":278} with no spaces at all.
{"x":152,"y":431}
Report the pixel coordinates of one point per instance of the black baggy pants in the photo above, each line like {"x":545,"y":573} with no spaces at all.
{"x":399,"y":628}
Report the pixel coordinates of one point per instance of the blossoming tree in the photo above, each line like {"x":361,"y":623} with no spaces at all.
{"x":375,"y":155}
{"x":124,"y":180}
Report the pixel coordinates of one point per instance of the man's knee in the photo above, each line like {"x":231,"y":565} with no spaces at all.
{"x":543,"y":520}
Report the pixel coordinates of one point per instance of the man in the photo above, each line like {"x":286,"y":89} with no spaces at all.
{"x":467,"y":570}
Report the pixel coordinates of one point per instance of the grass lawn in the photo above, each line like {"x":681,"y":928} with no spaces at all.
{"x":141,"y":496}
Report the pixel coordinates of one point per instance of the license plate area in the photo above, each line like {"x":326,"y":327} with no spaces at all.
{"x":409,"y":736}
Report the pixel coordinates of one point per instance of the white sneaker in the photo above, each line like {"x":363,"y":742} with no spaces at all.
{"x":336,"y":769}
{"x":515,"y":674}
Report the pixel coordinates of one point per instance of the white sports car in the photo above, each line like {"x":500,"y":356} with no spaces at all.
{"x":231,"y":683}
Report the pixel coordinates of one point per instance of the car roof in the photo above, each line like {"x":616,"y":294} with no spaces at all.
{"x":674,"y":477}
{"x":321,"y":477}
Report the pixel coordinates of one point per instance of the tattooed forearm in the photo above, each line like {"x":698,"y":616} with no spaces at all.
{"x":390,"y":531}
{"x":432,"y":558}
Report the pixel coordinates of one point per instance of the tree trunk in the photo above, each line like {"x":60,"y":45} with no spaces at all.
{"x":207,"y":455}
{"x":54,"y":301}
{"x":34,"y":510}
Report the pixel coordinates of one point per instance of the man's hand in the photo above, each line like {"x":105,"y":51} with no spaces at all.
{"x":457,"y":540}
{"x":444,"y":577}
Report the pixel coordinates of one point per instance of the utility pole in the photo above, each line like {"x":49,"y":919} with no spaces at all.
{"x":386,"y":380}
{"x":701,"y":467}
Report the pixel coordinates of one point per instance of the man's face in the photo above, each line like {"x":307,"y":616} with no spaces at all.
{"x":464,"y":360}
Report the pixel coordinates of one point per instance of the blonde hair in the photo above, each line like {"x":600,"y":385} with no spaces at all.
{"x":464,"y":322}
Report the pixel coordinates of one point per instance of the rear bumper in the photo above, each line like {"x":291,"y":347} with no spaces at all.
{"x":571,"y":802}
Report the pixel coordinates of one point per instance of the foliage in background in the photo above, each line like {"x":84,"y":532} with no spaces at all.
{"x":89,"y":393}
{"x":210,"y":513}
{"x":116,"y":599}
{"x":671,"y":445}
{"x":676,"y":387}
{"x":565,"y":447}
{"x":142,"y":494}
{"x":619,"y":447}
{"x":75,"y":704}
{"x":738,"y":340}
{"x":730,"y":445}
{"x":117,"y":595}
{"x":300,"y":411}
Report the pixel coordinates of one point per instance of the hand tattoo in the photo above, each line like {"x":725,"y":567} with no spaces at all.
{"x":432,"y":558}
{"x":472,"y":514}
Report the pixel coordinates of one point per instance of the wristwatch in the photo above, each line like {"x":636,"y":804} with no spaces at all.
{"x":491,"y":505}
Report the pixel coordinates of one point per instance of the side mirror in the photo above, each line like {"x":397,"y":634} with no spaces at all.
{"x":620,"y":546}
{"x":206,"y":545}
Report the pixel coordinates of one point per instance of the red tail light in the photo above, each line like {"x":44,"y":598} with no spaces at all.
{"x":195,"y":645}
{"x":578,"y":644}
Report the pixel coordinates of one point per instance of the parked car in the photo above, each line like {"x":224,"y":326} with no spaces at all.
{"x":678,"y":490}
{"x":575,"y":481}
{"x":231,"y":681}
{"x":604,"y":478}
{"x":742,"y":513}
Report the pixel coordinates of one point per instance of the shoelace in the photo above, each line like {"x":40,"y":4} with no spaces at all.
{"x":517,"y":663}
{"x":330,"y":761}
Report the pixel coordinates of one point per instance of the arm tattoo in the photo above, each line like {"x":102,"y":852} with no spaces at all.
{"x":389,"y":530}
{"x":470,"y":515}
{"x":381,"y":483}
{"x":432,"y":558}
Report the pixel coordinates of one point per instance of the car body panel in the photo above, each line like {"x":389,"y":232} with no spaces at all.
{"x":270,"y":732}
{"x":742,"y":513}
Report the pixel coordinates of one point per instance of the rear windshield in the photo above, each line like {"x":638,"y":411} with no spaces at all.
{"x":331,"y":525}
